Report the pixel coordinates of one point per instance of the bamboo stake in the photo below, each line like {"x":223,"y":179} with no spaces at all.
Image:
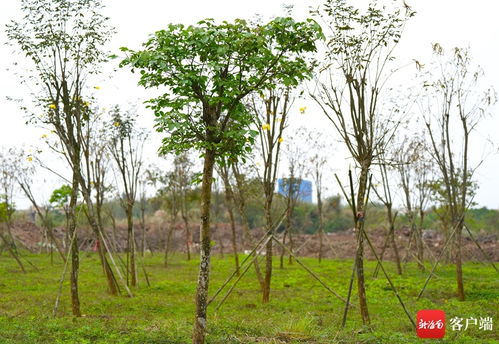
{"x":310,"y":271}
{"x":481,"y":250}
{"x":63,"y":275}
{"x":115,"y":266}
{"x":437,"y":261}
{"x":352,"y":277}
{"x":264,"y":237}
{"x":269,"y":237}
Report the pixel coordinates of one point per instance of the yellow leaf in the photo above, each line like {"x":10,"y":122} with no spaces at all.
{"x":97,"y":87}
{"x":280,"y":139}
{"x":53,"y":106}
{"x":266,"y":126}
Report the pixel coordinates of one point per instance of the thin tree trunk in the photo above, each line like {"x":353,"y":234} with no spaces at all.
{"x":131,"y":245}
{"x":459,"y":264}
{"x":268,"y":253}
{"x":462,"y":210}
{"x":187,"y":236}
{"x":291,"y":243}
{"x":200,"y":324}
{"x":321,"y":225}
{"x":284,"y":236}
{"x":233,"y":232}
{"x":98,"y":228}
{"x":391,"y":220}
{"x":220,"y":241}
{"x":169,"y":238}
{"x":287,"y":229}
{"x":419,"y":241}
{"x":359,"y":256}
{"x":75,"y":263}
{"x":229,"y":202}
{"x":247,"y":239}
{"x":143,"y":225}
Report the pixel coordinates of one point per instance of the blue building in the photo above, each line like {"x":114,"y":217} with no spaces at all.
{"x":299,"y":188}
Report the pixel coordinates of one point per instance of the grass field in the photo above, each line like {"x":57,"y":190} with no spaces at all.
{"x":300,"y":311}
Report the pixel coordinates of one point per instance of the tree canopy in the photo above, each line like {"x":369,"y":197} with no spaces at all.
{"x":209,"y":68}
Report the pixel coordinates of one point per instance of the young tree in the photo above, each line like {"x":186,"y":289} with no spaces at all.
{"x":59,"y":199}
{"x":358,"y":50}
{"x":414,"y":168}
{"x":240,"y":194}
{"x":173,"y":203}
{"x":126,"y":147}
{"x":318,"y":162}
{"x":454,"y":106}
{"x":183,"y":166}
{"x":297,"y":159}
{"x":63,"y":39}
{"x":95,"y":158}
{"x":25,"y":170}
{"x":7,"y":206}
{"x":217,"y":203}
{"x":385,"y":196}
{"x":271,"y":113}
{"x":142,"y":189}
{"x":209,"y":69}
{"x":224,"y":172}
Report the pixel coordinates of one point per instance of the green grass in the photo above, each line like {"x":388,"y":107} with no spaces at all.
{"x":300,"y":311}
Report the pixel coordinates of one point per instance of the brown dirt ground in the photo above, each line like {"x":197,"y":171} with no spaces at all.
{"x":338,"y":245}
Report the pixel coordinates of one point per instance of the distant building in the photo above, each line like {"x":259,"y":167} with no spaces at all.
{"x":299,"y":188}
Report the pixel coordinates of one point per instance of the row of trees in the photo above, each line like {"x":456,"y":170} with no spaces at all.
{"x":228,"y":92}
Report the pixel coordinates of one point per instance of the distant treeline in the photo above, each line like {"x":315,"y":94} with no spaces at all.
{"x":337,"y":215}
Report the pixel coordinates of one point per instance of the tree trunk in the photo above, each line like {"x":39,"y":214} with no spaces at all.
{"x":268,"y":253}
{"x":247,"y":239}
{"x":419,"y":241}
{"x":169,"y":238}
{"x":459,"y":263}
{"x":321,"y":224}
{"x":143,"y":225}
{"x":391,"y":220}
{"x":200,"y":324}
{"x":131,"y":245}
{"x":229,"y":203}
{"x":281,"y":258}
{"x":92,"y":214}
{"x":233,"y":230}
{"x":98,"y":229}
{"x":75,"y":262}
{"x":291,"y":243}
{"x":187,"y":236}
{"x":287,"y":227}
{"x":359,"y":256}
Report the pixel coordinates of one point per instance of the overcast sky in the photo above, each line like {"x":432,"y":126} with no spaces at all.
{"x":450,"y":22}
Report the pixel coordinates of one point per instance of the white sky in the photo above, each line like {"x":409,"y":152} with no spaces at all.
{"x":449,"y":22}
